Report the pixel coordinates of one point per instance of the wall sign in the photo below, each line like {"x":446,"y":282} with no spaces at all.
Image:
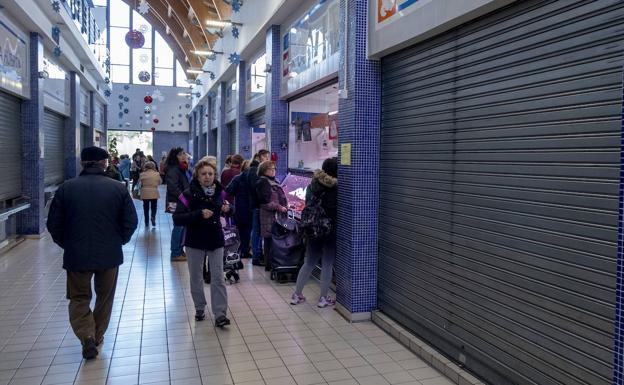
{"x":388,"y":11}
{"x":13,"y":61}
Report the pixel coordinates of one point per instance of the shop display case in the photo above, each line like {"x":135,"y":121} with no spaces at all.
{"x":295,"y":187}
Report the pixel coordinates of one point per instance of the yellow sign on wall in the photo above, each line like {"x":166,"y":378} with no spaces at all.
{"x":345,"y":154}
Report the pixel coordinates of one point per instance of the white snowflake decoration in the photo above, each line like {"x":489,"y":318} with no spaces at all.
{"x":157,"y":95}
{"x":143,"y":7}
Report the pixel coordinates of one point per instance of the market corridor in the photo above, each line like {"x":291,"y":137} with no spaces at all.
{"x":153,"y":337}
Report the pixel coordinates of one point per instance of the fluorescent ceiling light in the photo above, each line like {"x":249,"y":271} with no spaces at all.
{"x":193,"y":71}
{"x":207,"y":53}
{"x":332,"y":113}
{"x":218,"y":23}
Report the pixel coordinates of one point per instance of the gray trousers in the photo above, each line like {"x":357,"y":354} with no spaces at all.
{"x":318,"y":249}
{"x":218,"y":293}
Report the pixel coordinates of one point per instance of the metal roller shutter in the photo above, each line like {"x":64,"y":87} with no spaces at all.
{"x":54,"y":160}
{"x":500,"y":158}
{"x":10,"y":147}
{"x":256,"y":118}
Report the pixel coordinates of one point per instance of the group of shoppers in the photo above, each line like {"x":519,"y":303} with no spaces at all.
{"x":87,"y":207}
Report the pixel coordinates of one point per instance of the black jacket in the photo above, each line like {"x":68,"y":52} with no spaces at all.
{"x":176,"y":181}
{"x":252,"y":180}
{"x":91,"y":217}
{"x":325,"y":186}
{"x":239,"y":189}
{"x":204,"y":234}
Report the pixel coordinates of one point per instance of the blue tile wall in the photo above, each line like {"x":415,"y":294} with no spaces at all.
{"x":165,"y":141}
{"x":88,"y":138}
{"x":618,"y":338}
{"x":200,"y":130}
{"x":276,"y":110}
{"x":72,"y":140}
{"x":105,"y":128}
{"x":31,"y":221}
{"x":195,"y":129}
{"x":223,"y":148}
{"x":356,"y":262}
{"x":242,"y":121}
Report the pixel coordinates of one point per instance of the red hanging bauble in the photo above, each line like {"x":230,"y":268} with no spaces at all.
{"x":135,"y":39}
{"x":148,"y":99}
{"x":156,"y":120}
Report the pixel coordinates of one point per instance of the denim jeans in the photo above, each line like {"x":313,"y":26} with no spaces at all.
{"x":176,"y":241}
{"x":256,"y":239}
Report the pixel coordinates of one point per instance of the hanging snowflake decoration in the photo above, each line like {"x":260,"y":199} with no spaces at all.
{"x":57,"y":51}
{"x":56,"y":6}
{"x":212,"y":57}
{"x":212,"y":76}
{"x":56,"y":33}
{"x":234,"y":58}
{"x":158,"y":95}
{"x":198,"y":82}
{"x":106,"y":80}
{"x":236,"y":5}
{"x":235,"y":32}
{"x":143,"y":7}
{"x":143,"y":28}
{"x":107,"y":93}
{"x":143,"y":58}
{"x":120,"y":105}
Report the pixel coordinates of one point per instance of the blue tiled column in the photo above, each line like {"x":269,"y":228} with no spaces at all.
{"x":89,"y":134}
{"x":31,"y":221}
{"x":242,"y":123}
{"x":276,"y":111}
{"x":200,"y":129}
{"x":72,"y":129}
{"x":105,"y":128}
{"x":356,"y":262}
{"x":618,"y":338}
{"x":223,"y":145}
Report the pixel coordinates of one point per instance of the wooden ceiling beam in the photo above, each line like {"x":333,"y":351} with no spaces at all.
{"x":224,"y":10}
{"x":196,"y":33}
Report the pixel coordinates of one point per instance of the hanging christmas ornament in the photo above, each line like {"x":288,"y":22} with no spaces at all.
{"x":234,"y":58}
{"x":126,"y":87}
{"x":143,"y":28}
{"x":236,"y":5}
{"x":148,"y":99}
{"x":153,"y":129}
{"x":107,"y":80}
{"x":198,"y":82}
{"x":56,"y":6}
{"x":120,"y":97}
{"x":144,"y":76}
{"x":126,"y":99}
{"x":143,"y":58}
{"x":135,"y":39}
{"x":120,"y":114}
{"x":107,"y":93}
{"x":147,"y":110}
{"x":56,"y":34}
{"x":158,"y":95}
{"x":143,"y":7}
{"x":120,"y":105}
{"x":126,"y":110}
{"x":57,"y":52}
{"x":156,"y":120}
{"x":235,"y":32}
{"x":127,"y":124}
{"x":212,"y":76}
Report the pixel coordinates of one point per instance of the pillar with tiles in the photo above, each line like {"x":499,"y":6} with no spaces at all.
{"x":242,"y":122}
{"x":31,"y":221}
{"x":223,"y":137}
{"x":358,"y":173}
{"x":276,"y":109}
{"x":72,"y":129}
{"x":89,"y":134}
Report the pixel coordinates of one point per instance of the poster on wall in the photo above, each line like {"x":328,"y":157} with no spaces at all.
{"x":388,"y":11}
{"x":13,"y":63}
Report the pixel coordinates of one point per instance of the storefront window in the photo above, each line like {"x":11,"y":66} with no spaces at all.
{"x":230,"y":96}
{"x":313,"y":133}
{"x":312,"y":39}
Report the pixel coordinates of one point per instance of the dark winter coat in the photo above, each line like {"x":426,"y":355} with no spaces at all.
{"x":269,"y":191}
{"x":239,"y":189}
{"x":326,"y":187}
{"x":91,"y":217}
{"x":200,"y":233}
{"x":252,"y":181}
{"x":177,"y":182}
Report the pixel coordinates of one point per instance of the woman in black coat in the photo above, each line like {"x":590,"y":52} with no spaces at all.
{"x":175,"y":177}
{"x":199,"y":211}
{"x":243,"y":213}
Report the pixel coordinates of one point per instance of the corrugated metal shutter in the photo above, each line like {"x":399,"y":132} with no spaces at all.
{"x":232,"y":138}
{"x":256,"y":118}
{"x":10,"y":147}
{"x":500,"y":158}
{"x":54,"y":160}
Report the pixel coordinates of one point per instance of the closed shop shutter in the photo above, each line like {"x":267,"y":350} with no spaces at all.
{"x":10,"y":147}
{"x":232,"y":137}
{"x":500,"y":158}
{"x":54,"y":159}
{"x":256,"y":118}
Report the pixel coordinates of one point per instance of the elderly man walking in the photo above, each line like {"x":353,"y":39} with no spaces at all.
{"x":91,"y":217}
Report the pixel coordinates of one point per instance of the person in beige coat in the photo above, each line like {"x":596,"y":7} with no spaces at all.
{"x":150,"y":180}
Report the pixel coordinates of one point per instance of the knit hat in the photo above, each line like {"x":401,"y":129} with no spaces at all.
{"x":330,"y":166}
{"x":93,"y":154}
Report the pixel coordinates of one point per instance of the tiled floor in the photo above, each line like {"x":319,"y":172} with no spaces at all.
{"x":153,"y":337}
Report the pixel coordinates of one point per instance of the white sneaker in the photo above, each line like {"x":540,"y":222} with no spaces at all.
{"x":326,"y":301}
{"x":296,"y":299}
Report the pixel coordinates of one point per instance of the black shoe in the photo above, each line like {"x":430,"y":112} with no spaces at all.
{"x":99,"y":341}
{"x":267,"y":268}
{"x":222,"y":321}
{"x":200,"y":315}
{"x":153,"y":221}
{"x":257,"y":262}
{"x":89,"y":350}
